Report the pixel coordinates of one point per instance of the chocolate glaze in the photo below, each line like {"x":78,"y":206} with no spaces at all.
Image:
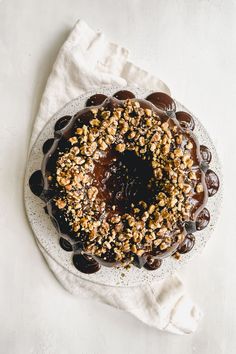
{"x":85,"y":264}
{"x":152,"y":263}
{"x":66,"y":245}
{"x":124,"y":95}
{"x":187,"y":244}
{"x":47,"y":145}
{"x":203,"y":219}
{"x":162,"y":101}
{"x":212,"y":182}
{"x":36,"y":183}
{"x":95,"y":100}
{"x":121,"y":179}
{"x":185,"y":120}
{"x":205,"y":153}
{"x":62,"y":122}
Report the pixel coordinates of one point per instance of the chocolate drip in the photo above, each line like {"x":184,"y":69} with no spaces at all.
{"x":162,"y":101}
{"x":59,"y":221}
{"x":51,"y":163}
{"x":85,"y":264}
{"x":212,"y":182}
{"x":62,"y":123}
{"x":203,"y":219}
{"x":36,"y":183}
{"x":96,"y":100}
{"x":152,"y":263}
{"x":205,"y":153}
{"x":47,"y":145}
{"x":124,"y":95}
{"x":187,"y":244}
{"x":66,"y":245}
{"x":186,"y":121}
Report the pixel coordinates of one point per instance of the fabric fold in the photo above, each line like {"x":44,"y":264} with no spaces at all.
{"x":87,"y":60}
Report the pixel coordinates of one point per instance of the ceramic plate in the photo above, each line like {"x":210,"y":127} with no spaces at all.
{"x":48,"y":238}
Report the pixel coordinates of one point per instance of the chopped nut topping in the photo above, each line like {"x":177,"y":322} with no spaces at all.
{"x":148,"y":112}
{"x":92,"y":193}
{"x":189,"y":145}
{"x":60,"y":203}
{"x":79,"y":131}
{"x":199,"y":188}
{"x":102,"y":145}
{"x":95,"y":122}
{"x":120,"y":147}
{"x":148,"y":225}
{"x":73,"y":140}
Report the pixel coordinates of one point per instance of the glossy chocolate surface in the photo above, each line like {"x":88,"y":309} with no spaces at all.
{"x":162,"y":101}
{"x":187,"y":244}
{"x":47,"y":145}
{"x":95,"y":100}
{"x":213,"y":183}
{"x":85,"y":264}
{"x":205,"y":153}
{"x":62,"y":122}
{"x":122,"y":180}
{"x":123,"y":95}
{"x":36,"y":183}
{"x":152,"y":263}
{"x":203,"y":219}
{"x":185,"y":120}
{"x":66,"y":245}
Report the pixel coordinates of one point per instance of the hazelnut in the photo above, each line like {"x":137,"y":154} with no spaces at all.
{"x":60,"y":203}
{"x":148,"y":112}
{"x":120,"y":147}
{"x":199,"y":188}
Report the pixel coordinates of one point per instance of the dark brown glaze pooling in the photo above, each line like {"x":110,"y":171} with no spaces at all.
{"x":96,"y":100}
{"x":66,"y":245}
{"x":187,"y":244}
{"x":185,"y":120}
{"x":124,"y":95}
{"x":213,"y":183}
{"x":85,"y":264}
{"x":62,"y":122}
{"x":121,"y":179}
{"x":36,"y":183}
{"x":152,"y":263}
{"x":203,"y":219}
{"x":205,"y":153}
{"x":162,"y":101}
{"x":47,"y":145}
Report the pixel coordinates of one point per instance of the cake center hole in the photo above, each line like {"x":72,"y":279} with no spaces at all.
{"x":123,"y":179}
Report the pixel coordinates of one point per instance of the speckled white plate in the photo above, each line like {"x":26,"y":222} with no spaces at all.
{"x":47,"y":236}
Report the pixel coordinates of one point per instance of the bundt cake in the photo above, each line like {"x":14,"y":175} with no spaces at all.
{"x":125,"y":182}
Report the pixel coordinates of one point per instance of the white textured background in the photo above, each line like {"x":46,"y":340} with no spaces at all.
{"x":190,"y":44}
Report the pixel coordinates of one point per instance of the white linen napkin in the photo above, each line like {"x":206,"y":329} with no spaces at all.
{"x":88,"y":60}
